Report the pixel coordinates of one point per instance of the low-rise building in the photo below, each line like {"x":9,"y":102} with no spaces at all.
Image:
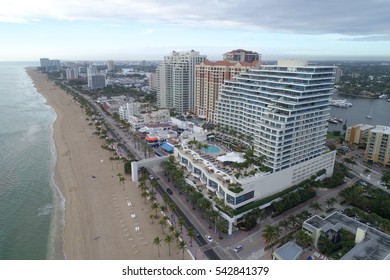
{"x":238,"y":187}
{"x":370,"y":243}
{"x":138,"y":114}
{"x":288,"y":251}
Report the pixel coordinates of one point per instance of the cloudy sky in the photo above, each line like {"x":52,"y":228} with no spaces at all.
{"x":150,"y":29}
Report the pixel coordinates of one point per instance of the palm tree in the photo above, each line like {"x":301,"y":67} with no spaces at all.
{"x":163,"y":223}
{"x":171,"y":229}
{"x":119,"y":175}
{"x":315,"y":206}
{"x":144,"y":195}
{"x":153,"y":184}
{"x":293,"y":221}
{"x":303,"y":239}
{"x":168,"y":239}
{"x":163,"y":208}
{"x":181,"y":222}
{"x":330,"y":202}
{"x":285,"y":224}
{"x":190,"y":234}
{"x":271,"y":234}
{"x":157,"y":242}
{"x":182,"y":247}
{"x":122,"y":179}
{"x":258,"y":214}
{"x":155,"y":206}
{"x":172,"y":208}
{"x":176,"y":234}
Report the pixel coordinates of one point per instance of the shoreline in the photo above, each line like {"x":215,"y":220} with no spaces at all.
{"x":99,"y":223}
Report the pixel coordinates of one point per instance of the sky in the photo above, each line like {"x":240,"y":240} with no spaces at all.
{"x":150,"y":29}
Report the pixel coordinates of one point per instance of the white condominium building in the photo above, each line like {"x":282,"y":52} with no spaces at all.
{"x":176,"y":81}
{"x":71,"y":73}
{"x":283,"y":108}
{"x":378,"y":145}
{"x":209,"y":79}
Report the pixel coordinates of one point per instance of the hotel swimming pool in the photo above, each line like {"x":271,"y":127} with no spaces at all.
{"x":211,"y":149}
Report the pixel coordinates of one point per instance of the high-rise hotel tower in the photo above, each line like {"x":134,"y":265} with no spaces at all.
{"x":284,"y":108}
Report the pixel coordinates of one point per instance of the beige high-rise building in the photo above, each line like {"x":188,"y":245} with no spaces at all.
{"x":242,"y":55}
{"x":209,"y":79}
{"x":378,"y":145}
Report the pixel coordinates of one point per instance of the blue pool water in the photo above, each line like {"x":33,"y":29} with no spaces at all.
{"x":211,"y":149}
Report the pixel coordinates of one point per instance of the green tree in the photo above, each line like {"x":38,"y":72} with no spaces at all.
{"x":315,"y":206}
{"x":181,"y":222}
{"x":330,"y":202}
{"x":271,"y":234}
{"x":182,"y":246}
{"x":157,"y":242}
{"x":163,"y":223}
{"x":168,"y":239}
{"x":285,"y":224}
{"x":386,"y":179}
{"x":303,"y":239}
{"x":190,"y":235}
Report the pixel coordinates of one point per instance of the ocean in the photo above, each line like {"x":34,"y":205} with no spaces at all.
{"x":31,"y":207}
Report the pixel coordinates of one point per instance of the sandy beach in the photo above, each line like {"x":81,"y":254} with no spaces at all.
{"x":102,"y":220}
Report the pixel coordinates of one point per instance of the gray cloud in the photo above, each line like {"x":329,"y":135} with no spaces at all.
{"x":373,"y":38}
{"x":345,"y":17}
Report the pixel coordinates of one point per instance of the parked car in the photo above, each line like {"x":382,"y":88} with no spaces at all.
{"x":151,"y":177}
{"x":363,"y":183}
{"x":209,"y":238}
{"x":169,"y":191}
{"x":237,"y":248}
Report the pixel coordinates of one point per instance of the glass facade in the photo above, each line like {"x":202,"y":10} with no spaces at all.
{"x":284,"y":109}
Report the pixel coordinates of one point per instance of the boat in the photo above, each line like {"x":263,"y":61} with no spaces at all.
{"x":332,"y":120}
{"x":388,"y":99}
{"x":368,"y":117}
{"x":383,"y":96}
{"x":340,"y":103}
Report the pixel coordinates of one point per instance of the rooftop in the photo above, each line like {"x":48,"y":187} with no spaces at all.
{"x":374,"y":246}
{"x":289,"y":251}
{"x":381,"y":129}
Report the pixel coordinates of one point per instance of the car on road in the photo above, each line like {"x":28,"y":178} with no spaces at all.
{"x":363,"y":183}
{"x":169,"y":191}
{"x":209,"y":238}
{"x":151,"y":177}
{"x":237,"y":248}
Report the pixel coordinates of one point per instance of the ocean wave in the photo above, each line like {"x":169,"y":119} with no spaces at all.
{"x":45,"y":210}
{"x":56,"y":235}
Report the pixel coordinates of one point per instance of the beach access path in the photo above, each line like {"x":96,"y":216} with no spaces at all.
{"x":103,"y":219}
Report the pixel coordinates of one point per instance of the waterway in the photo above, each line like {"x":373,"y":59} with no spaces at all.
{"x":378,"y":109}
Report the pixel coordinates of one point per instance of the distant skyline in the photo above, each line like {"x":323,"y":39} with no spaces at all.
{"x":150,"y":29}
